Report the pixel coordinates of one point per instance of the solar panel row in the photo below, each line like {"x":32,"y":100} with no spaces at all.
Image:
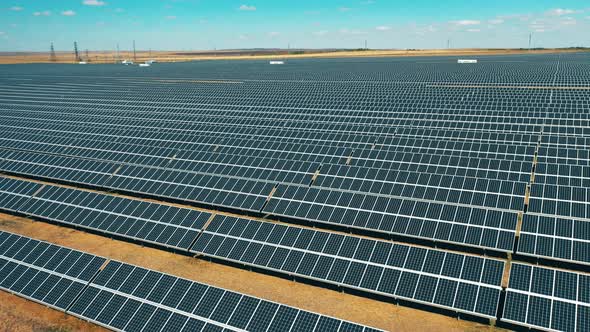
{"x":451,"y":223}
{"x":39,"y":271}
{"x":452,"y":281}
{"x":130,"y":298}
{"x":164,"y":225}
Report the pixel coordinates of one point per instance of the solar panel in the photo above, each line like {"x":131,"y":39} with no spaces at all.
{"x":555,"y":238}
{"x":14,"y":193}
{"x":547,"y":298}
{"x":52,"y":275}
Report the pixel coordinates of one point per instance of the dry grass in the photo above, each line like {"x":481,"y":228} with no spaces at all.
{"x":176,"y":56}
{"x":345,"y":306}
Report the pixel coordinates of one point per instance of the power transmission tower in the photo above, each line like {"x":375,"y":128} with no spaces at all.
{"x":117,"y":59}
{"x":76,"y":54}
{"x":52,"y":56}
{"x":366,"y":48}
{"x":134,"y":54}
{"x":87,"y":57}
{"x":530,"y":39}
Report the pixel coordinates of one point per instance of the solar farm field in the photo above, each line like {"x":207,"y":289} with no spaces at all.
{"x":461,"y":189}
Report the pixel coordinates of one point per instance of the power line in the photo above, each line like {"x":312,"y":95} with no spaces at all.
{"x":76,"y":54}
{"x":52,"y":56}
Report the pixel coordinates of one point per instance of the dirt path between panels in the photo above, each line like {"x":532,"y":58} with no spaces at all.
{"x":17,"y":314}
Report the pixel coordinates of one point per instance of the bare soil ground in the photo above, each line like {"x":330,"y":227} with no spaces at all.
{"x":20,"y":315}
{"x":176,"y":56}
{"x":17,"y":314}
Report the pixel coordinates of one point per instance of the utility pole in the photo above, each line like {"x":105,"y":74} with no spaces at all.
{"x":366,"y":48}
{"x":87,"y":57}
{"x":52,"y":56}
{"x":448,"y":43}
{"x":530,"y":39}
{"x":134,"y":54}
{"x":76,"y":54}
{"x":117,"y":59}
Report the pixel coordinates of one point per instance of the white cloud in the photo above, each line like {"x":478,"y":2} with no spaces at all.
{"x":247,"y":8}
{"x":68,"y":13}
{"x":367,"y":2}
{"x":243,"y":37}
{"x":422,"y":30}
{"x":43,"y":13}
{"x":496,"y":21}
{"x":170,"y":17}
{"x":473,"y":30}
{"x":93,"y":3}
{"x":383,"y":28}
{"x":518,"y":17}
{"x":560,"y":12}
{"x":273,"y":34}
{"x":2,"y":33}
{"x":119,"y":10}
{"x":346,"y":31}
{"x":16,"y":8}
{"x":344,"y":9}
{"x":466,"y":22}
{"x":320,"y":33}
{"x":569,"y":21}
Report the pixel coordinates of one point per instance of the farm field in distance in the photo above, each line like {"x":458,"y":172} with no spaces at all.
{"x":95,"y":57}
{"x":334,"y":193}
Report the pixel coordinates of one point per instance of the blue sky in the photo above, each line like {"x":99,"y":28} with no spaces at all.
{"x":207,"y":24}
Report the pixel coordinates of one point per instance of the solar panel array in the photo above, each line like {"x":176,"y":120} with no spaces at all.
{"x":125,"y":297}
{"x":462,"y":283}
{"x":489,"y":158}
